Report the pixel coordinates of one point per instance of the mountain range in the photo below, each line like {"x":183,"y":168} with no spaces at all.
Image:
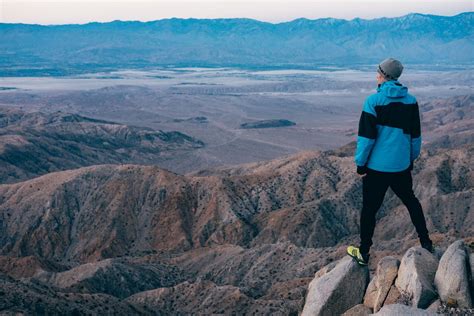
{"x":248,"y":237}
{"x":65,"y":49}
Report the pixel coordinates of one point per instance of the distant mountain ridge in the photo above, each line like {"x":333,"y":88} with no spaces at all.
{"x":62,"y":49}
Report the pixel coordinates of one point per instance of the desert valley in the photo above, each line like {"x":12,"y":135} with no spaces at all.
{"x":211,"y":190}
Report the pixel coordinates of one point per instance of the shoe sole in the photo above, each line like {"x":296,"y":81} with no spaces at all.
{"x":357,"y":259}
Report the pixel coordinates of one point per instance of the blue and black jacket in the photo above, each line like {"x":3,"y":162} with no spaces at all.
{"x":389,"y":136}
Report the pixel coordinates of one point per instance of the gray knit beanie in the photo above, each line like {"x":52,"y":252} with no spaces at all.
{"x":390,"y":69}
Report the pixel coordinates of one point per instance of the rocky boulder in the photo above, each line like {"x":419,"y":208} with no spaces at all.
{"x":471,"y":260}
{"x":379,"y":287}
{"x":453,"y":276}
{"x":393,"y":295}
{"x":435,"y":306}
{"x":371,"y":293}
{"x":358,"y":310}
{"x":416,"y":276}
{"x":400,"y":309}
{"x":336,"y":290}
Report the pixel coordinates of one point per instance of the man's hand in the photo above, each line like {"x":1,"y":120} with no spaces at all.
{"x":361,"y":170}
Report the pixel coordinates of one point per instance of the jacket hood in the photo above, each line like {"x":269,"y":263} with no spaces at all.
{"x":393,"y":89}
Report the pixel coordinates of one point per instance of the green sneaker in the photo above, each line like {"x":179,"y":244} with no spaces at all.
{"x":354,"y":252}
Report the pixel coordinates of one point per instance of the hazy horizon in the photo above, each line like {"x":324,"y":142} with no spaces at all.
{"x":82,"y":12}
{"x":230,"y":18}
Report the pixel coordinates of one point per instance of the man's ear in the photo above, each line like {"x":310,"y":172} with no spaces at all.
{"x":379,"y":77}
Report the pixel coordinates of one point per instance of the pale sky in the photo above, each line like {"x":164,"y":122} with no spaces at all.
{"x":83,"y":11}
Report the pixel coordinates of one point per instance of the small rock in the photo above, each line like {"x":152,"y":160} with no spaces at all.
{"x":434,"y":306}
{"x":399,"y":310}
{"x":452,"y":276}
{"x":387,"y":270}
{"x":416,"y":275}
{"x":338,"y":290}
{"x":358,"y":310}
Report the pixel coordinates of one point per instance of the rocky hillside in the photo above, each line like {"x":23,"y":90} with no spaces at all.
{"x":310,"y":199}
{"x":247,"y":238}
{"x":421,"y":283}
{"x":448,"y":122}
{"x":35,"y":143}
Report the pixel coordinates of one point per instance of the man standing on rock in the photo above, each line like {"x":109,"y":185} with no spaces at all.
{"x":389,"y":140}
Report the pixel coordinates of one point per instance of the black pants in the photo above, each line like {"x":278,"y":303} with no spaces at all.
{"x":374,"y":186}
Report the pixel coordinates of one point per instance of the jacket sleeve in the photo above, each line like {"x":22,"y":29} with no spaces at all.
{"x":415,"y":133}
{"x":366,"y":134}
